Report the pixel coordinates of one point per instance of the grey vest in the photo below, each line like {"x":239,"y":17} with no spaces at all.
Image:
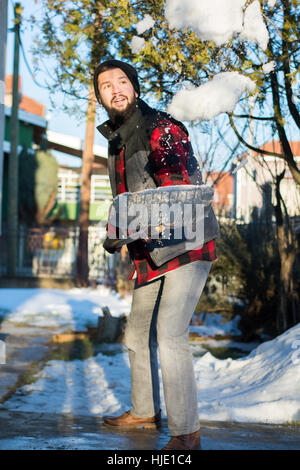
{"x":134,"y":136}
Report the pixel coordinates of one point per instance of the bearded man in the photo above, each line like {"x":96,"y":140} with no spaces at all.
{"x":148,"y":149}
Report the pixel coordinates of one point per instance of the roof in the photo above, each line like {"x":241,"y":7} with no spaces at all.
{"x":9,"y":83}
{"x":74,"y":146}
{"x":30,"y":118}
{"x":275,"y":146}
{"x":26,"y":104}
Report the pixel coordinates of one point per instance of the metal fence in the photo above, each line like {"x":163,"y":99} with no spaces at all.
{"x":69,"y":184}
{"x":51,"y":252}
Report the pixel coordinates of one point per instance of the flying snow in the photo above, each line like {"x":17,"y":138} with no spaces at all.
{"x":254,"y":27}
{"x":269,"y":67}
{"x":218,"y":95}
{"x":146,"y":23}
{"x":217,"y":20}
{"x":137,"y":44}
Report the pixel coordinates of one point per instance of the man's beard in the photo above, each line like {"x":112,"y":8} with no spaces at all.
{"x":119,"y":117}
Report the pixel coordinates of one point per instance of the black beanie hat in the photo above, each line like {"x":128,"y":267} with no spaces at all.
{"x":118,"y":64}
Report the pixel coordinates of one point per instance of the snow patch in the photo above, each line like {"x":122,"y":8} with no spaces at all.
{"x":261,"y":387}
{"x":215,"y":324}
{"x":65,"y":309}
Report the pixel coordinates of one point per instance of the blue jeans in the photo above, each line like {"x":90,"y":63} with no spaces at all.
{"x":160,"y":316}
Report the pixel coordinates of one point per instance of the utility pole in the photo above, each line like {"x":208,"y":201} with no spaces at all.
{"x":251,"y":164}
{"x":13,"y":163}
{"x":3,"y":38}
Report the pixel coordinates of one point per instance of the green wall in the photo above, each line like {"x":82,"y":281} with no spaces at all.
{"x":26,"y":140}
{"x":70,"y":210}
{"x":25,"y":132}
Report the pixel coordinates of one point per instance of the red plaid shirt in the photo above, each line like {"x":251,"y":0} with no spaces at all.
{"x":168,"y":160}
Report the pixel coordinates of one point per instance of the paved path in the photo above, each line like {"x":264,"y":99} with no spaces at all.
{"x":26,"y":346}
{"x":33,"y":431}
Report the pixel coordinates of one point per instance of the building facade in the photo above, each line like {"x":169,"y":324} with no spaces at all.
{"x":254,"y":183}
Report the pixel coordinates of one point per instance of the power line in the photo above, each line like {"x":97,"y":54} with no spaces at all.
{"x":30,"y":70}
{"x":44,"y":86}
{"x":23,"y":52}
{"x":28,"y":66}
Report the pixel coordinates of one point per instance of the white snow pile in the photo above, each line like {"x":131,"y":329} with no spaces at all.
{"x":216,"y":96}
{"x":218,"y":20}
{"x":261,"y":387}
{"x":146,"y":23}
{"x":137,"y":44}
{"x":64,"y":309}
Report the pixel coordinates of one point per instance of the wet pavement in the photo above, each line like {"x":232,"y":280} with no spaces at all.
{"x":25,"y":348}
{"x":44,"y":431}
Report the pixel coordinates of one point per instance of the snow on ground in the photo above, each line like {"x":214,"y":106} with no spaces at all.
{"x":95,"y":386}
{"x":218,"y":95}
{"x":66,"y":309}
{"x":260,"y":387}
{"x":78,"y":308}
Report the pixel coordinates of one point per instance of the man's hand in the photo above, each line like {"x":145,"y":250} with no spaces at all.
{"x":159,"y":229}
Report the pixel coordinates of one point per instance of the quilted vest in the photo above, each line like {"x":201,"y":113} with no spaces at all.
{"x":135,"y":137}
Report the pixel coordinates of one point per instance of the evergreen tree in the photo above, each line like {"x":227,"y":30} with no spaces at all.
{"x":46,"y":183}
{"x":38,"y":180}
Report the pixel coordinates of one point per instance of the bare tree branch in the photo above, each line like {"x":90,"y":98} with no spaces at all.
{"x":255,"y":149}
{"x":258,"y":118}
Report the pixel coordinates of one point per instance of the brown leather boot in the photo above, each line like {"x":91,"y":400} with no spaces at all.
{"x":127,"y":421}
{"x":184,"y":442}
